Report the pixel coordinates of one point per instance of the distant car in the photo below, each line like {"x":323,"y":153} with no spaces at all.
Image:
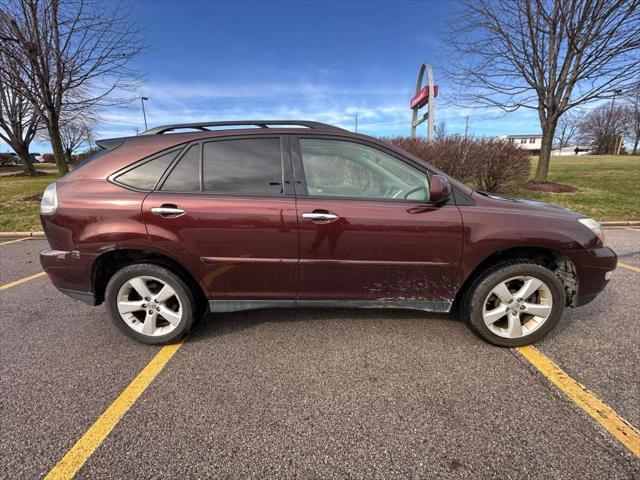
{"x":36,"y":157}
{"x":163,"y":226}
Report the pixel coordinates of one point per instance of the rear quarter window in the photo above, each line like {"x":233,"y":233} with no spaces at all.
{"x":146,"y":175}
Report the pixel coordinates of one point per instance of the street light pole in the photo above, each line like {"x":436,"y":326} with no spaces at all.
{"x":144,"y":114}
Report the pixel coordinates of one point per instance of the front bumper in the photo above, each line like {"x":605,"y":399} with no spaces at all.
{"x":593,"y":267}
{"x":70,"y":272}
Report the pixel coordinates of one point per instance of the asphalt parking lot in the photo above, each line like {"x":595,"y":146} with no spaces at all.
{"x":315,"y":393}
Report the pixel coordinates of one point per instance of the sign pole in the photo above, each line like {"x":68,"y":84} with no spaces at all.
{"x":424,"y":96}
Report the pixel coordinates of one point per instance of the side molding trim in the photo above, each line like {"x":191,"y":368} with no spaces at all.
{"x":442,"y":306}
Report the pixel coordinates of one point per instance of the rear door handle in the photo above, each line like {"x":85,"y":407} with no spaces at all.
{"x":167,"y":210}
{"x":320,"y":216}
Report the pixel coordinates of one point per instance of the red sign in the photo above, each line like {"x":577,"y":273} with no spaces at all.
{"x":422,"y":97}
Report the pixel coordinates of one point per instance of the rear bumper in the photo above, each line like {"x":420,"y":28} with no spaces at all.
{"x":593,"y":267}
{"x":70,"y":272}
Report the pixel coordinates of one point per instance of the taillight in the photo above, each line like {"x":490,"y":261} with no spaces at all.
{"x":49,"y":203}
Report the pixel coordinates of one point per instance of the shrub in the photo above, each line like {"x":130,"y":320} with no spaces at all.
{"x":488,"y":164}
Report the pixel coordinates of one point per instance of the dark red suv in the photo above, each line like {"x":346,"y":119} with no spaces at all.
{"x":165,"y":226}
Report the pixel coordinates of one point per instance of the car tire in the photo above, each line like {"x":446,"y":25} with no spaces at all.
{"x":537,"y":314}
{"x":169,"y":319}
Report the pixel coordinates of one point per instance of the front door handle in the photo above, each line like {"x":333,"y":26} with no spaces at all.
{"x":320,"y":216}
{"x":168,"y":210}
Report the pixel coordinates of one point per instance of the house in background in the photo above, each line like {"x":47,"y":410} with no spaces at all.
{"x":530,"y":142}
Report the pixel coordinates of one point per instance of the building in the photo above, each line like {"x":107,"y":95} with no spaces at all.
{"x":530,"y":142}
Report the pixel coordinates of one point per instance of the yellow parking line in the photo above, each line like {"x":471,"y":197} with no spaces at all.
{"x":629,"y":267}
{"x":587,"y":401}
{"x":14,"y":241}
{"x":92,"y":438}
{"x":22,"y":280}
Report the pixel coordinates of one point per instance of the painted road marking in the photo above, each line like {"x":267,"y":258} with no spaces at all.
{"x":632,"y":229}
{"x":629,"y":267}
{"x":92,"y":438}
{"x":626,"y":433}
{"x":21,"y":281}
{"x":15,"y":241}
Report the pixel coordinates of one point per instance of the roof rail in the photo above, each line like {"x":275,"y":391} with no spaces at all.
{"x":257,"y":123}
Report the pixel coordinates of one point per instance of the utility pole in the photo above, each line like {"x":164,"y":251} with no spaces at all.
{"x":613,"y":101}
{"x":356,"y":123}
{"x":466,"y":126}
{"x":142,"y":99}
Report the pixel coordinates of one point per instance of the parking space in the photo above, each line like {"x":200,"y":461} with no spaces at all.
{"x":315,"y":393}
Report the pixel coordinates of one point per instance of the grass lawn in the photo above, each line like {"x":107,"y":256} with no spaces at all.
{"x":608,"y":191}
{"x":19,"y":211}
{"x":608,"y":185}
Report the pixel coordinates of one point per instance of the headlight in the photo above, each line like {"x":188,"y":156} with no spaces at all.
{"x":49,"y":203}
{"x":594,"y":226}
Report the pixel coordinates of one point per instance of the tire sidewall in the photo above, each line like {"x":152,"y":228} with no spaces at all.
{"x":483,"y":286}
{"x":185,"y":295}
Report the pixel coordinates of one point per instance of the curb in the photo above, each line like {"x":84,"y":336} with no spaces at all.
{"x":630,"y":223}
{"x":22,"y":234}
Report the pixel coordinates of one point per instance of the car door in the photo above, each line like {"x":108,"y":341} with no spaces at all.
{"x":368,"y":233}
{"x":227,"y":210}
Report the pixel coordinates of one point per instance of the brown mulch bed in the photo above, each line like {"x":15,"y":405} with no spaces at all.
{"x":36,"y":197}
{"x":38,"y":173}
{"x":551,"y":187}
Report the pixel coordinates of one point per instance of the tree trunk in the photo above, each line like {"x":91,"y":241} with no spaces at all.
{"x":548,"y":132}
{"x":25,"y":159}
{"x":56,"y":144}
{"x":635,"y":145}
{"x":67,"y":156}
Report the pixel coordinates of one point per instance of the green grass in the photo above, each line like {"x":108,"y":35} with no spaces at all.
{"x":609,"y":185}
{"x":19,"y":214}
{"x":609,"y":190}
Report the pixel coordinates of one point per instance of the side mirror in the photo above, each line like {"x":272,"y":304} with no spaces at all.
{"x":439,"y":189}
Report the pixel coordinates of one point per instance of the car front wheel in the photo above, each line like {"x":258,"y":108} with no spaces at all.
{"x":515,"y":303}
{"x":150,"y":304}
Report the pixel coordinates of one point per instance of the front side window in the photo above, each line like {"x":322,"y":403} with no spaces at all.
{"x":336,"y":168}
{"x":248,"y":166}
{"x":145,"y":176}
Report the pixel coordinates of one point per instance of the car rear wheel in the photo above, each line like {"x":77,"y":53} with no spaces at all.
{"x":150,"y":304}
{"x":515,"y":303}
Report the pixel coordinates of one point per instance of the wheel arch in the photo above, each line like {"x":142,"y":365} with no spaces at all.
{"x":554,"y":260}
{"x":107,"y":264}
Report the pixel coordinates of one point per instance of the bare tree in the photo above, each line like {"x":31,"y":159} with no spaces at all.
{"x":567,"y":130}
{"x":76,"y":133}
{"x":633,"y":102}
{"x":604,"y":127}
{"x":18,"y":121}
{"x":441,"y":130}
{"x":73,"y":55}
{"x":546,"y":55}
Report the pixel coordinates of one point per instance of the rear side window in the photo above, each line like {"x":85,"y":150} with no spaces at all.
{"x":185,"y":176}
{"x":245,"y":166}
{"x":145,"y":176}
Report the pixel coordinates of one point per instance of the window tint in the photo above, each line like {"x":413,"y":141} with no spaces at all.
{"x":250,"y":166}
{"x":185,"y":176}
{"x":147,"y":175}
{"x":337,"y":168}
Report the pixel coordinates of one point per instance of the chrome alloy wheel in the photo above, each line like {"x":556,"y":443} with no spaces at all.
{"x":149,"y":306}
{"x":517,"y":307}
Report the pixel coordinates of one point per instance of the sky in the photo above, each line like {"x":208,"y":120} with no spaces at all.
{"x":326,"y":61}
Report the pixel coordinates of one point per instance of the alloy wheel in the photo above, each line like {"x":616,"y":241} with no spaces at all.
{"x":517,"y":307}
{"x":149,"y":306}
